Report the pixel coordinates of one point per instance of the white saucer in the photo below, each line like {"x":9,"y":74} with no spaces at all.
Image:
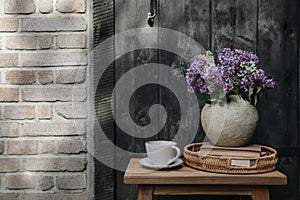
{"x":146,"y":163}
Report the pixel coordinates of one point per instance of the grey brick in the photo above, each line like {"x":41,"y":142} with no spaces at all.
{"x":51,"y":94}
{"x":71,"y":146}
{"x":22,"y":147}
{"x":9,"y":196}
{"x":1,"y":147}
{"x":47,"y":146}
{"x":8,"y":59}
{"x":45,"y":6}
{"x":75,"y":110}
{"x":54,"y":164}
{"x":46,"y":41}
{"x":70,"y":6}
{"x":57,"y":58}
{"x":9,"y":164}
{"x":21,"y":42}
{"x":46,"y":182}
{"x":20,"y":77}
{"x":45,"y":128}
{"x":20,"y":181}
{"x":19,"y":6}
{"x":9,"y":24}
{"x":56,"y":196}
{"x":9,"y":129}
{"x":9,"y":94}
{"x":45,"y":76}
{"x":71,"y":182}
{"x":19,"y":111}
{"x":73,"y":75}
{"x":71,"y":41}
{"x":70,"y":23}
{"x":44,"y":111}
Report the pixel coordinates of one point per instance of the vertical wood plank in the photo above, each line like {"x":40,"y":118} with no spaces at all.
{"x":234,"y":24}
{"x":197,"y":24}
{"x":223,"y":24}
{"x":103,"y":29}
{"x":147,"y":95}
{"x":171,"y":16}
{"x":246,"y":25}
{"x":190,"y":17}
{"x":288,"y":166}
{"x":129,"y":15}
{"x":277,"y":49}
{"x":298,"y":98}
{"x":125,"y":19}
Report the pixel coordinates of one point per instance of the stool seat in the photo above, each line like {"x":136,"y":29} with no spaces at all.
{"x":189,"y":181}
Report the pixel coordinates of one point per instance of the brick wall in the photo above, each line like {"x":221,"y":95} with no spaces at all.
{"x":43,"y":64}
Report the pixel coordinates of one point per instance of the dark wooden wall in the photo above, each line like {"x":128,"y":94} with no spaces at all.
{"x":269,"y":28}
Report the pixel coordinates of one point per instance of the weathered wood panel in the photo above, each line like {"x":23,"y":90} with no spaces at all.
{"x":234,"y":24}
{"x":298,"y":99}
{"x":143,"y":98}
{"x":171,"y":13}
{"x":196,"y":24}
{"x":196,"y":21}
{"x":125,"y":19}
{"x":147,"y":95}
{"x":277,"y":48}
{"x":192,"y":18}
{"x":103,"y":29}
{"x":267,"y":27}
{"x":289,"y":166}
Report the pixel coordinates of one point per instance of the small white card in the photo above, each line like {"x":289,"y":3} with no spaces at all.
{"x":241,"y":163}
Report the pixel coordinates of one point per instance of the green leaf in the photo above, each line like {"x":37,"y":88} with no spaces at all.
{"x":257,"y":95}
{"x":250,"y":94}
{"x":255,"y":99}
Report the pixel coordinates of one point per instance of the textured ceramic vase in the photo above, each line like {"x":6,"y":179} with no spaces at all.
{"x":231,"y":124}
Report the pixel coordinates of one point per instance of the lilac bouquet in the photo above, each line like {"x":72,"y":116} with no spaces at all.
{"x":236,"y":73}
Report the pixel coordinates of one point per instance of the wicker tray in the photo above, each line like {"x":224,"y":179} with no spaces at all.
{"x":221,"y":164}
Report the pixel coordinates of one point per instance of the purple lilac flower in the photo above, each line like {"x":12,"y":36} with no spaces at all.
{"x":203,"y":75}
{"x":193,"y":75}
{"x":236,"y":73}
{"x":231,"y":59}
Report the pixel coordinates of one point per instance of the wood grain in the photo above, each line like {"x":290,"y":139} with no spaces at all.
{"x":145,"y":192}
{"x":147,"y":95}
{"x":201,"y":190}
{"x":278,"y":27}
{"x":277,"y":49}
{"x":260,"y":193}
{"x":171,"y":17}
{"x":234,"y":24}
{"x":124,"y":9}
{"x":104,"y":24}
{"x":136,"y":174}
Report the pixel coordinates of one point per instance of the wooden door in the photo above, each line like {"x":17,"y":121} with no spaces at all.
{"x":269,"y":28}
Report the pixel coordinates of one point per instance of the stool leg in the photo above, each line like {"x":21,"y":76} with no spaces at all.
{"x":145,"y":192}
{"x":260,"y":194}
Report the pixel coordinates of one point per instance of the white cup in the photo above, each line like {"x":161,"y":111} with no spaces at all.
{"x":162,"y":152}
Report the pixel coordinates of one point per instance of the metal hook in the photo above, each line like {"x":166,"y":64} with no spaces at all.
{"x":153,"y":12}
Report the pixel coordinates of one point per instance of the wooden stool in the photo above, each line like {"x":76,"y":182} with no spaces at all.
{"x":188,"y":181}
